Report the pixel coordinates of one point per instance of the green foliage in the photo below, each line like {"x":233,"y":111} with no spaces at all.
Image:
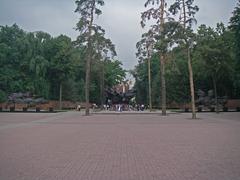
{"x":13,"y":64}
{"x":186,"y":11}
{"x":214,"y":50}
{"x":87,"y":29}
{"x":38,"y":63}
{"x":114,"y":72}
{"x":140,"y":73}
{"x":213,"y":56}
{"x":3,"y":96}
{"x":235,"y":29}
{"x":176,"y":79}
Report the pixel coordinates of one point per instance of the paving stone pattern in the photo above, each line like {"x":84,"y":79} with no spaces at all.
{"x":70,"y":146}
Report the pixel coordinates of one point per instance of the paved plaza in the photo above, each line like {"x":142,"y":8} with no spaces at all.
{"x":70,"y":146}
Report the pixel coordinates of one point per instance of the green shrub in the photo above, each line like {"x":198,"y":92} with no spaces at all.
{"x":3,"y":96}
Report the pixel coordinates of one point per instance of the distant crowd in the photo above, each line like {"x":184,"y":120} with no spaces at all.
{"x":118,"y":107}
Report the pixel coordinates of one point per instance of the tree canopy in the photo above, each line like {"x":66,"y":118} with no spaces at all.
{"x":38,"y":63}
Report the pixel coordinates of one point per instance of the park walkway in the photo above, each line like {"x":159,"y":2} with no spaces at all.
{"x":70,"y":146}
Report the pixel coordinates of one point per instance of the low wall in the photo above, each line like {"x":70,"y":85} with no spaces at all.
{"x":231,"y":104}
{"x":45,"y":106}
{"x":175,"y":105}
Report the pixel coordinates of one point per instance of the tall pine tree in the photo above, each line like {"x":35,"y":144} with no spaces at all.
{"x":186,"y":11}
{"x":87,"y":10}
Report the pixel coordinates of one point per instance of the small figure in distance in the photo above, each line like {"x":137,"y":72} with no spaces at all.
{"x":78,"y":107}
{"x":94,"y":106}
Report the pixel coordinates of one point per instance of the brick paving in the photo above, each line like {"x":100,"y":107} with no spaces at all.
{"x":69,"y":146}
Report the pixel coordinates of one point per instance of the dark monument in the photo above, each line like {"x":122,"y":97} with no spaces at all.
{"x":209,"y":101}
{"x":113,"y":97}
{"x":24,"y":98}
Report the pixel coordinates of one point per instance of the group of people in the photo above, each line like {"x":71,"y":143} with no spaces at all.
{"x":93,"y":106}
{"x":118,"y":107}
{"x":140,"y":107}
{"x":125,"y":107}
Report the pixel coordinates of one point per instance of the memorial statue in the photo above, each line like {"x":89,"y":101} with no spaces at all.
{"x":209,"y":100}
{"x":121,"y":98}
{"x":25,"y":98}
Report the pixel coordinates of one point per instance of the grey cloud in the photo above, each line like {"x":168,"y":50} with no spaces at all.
{"x":215,"y":11}
{"x":120,"y":19}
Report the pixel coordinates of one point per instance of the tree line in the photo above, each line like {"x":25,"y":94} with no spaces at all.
{"x":53,"y":67}
{"x":175,"y":61}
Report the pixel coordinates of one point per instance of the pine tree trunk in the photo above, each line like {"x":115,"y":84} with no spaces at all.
{"x":60,"y":96}
{"x":215,"y":94}
{"x":102,"y":85}
{"x":88,"y":63}
{"x":162,"y":62}
{"x":87,"y":86}
{"x":149,"y":84}
{"x":163,"y":86}
{"x":194,"y":116}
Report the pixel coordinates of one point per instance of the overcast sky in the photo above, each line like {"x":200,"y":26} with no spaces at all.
{"x":120,"y":19}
